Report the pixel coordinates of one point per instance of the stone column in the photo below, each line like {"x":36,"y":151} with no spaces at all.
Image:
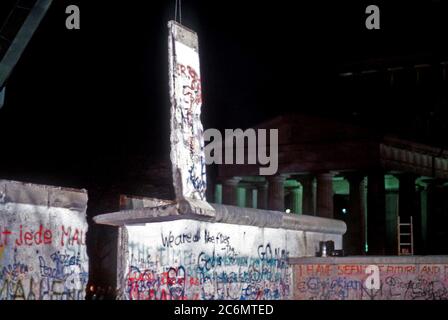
{"x":276,"y":191}
{"x":249,"y":197}
{"x":262,"y":196}
{"x":307,"y":194}
{"x":296,"y":201}
{"x":325,"y":195}
{"x":229,"y":191}
{"x":354,"y":239}
{"x":218,"y":194}
{"x":376,"y":214}
{"x":424,"y":219}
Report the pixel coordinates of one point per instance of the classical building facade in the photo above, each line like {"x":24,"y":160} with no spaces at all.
{"x":334,"y":170}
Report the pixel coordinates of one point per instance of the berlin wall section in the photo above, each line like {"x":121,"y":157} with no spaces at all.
{"x":239,"y":254}
{"x":43,"y":253}
{"x":400,"y":278}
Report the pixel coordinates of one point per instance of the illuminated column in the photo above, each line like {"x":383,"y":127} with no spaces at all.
{"x":307,"y":194}
{"x":276,"y":191}
{"x":296,"y":200}
{"x":376,"y":214}
{"x":241,"y":196}
{"x":354,"y":237}
{"x":229,"y":191}
{"x":325,"y":195}
{"x":218,"y":193}
{"x":262,"y":196}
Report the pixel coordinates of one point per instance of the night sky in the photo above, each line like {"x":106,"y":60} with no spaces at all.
{"x":80,"y":104}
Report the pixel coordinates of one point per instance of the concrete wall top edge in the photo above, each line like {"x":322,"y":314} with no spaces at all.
{"x":368,"y":260}
{"x":42,"y":195}
{"x":228,"y":215}
{"x":276,"y":219}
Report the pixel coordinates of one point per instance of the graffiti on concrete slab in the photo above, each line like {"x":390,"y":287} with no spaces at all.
{"x":203,"y":261}
{"x":187,"y":134}
{"x":42,"y":254}
{"x":348,"y":282}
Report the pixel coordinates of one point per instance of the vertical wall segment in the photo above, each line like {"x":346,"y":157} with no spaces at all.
{"x":187,"y":142}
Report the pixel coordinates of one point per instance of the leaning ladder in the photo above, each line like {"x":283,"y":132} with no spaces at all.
{"x":405,"y":247}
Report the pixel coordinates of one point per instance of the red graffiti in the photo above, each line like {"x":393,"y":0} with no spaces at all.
{"x":41,"y":235}
{"x":149,"y":285}
{"x":194,"y":90}
{"x":72,"y":236}
{"x":4,"y":235}
{"x":30,"y":238}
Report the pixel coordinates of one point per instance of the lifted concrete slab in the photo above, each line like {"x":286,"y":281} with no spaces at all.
{"x":172,"y":210}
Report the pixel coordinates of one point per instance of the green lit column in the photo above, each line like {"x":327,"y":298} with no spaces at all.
{"x":241,"y":197}
{"x":218,"y":194}
{"x":296,"y":200}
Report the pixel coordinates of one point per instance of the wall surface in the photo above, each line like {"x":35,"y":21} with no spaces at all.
{"x":42,"y":243}
{"x":401,"y":278}
{"x":187,"y":141}
{"x":193,"y":260}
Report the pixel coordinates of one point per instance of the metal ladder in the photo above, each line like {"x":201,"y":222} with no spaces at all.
{"x":405,"y":247}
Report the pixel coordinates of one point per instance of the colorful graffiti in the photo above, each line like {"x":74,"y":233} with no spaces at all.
{"x":187,"y":142}
{"x":347,"y":282}
{"x":42,"y":255}
{"x":202,"y":261}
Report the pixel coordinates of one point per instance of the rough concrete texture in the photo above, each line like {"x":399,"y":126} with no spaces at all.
{"x":400,"y":278}
{"x":187,"y":133}
{"x":178,"y":252}
{"x":197,"y":260}
{"x":42,"y":242}
{"x":168,"y":211}
{"x":171,"y":210}
{"x":132,"y":203}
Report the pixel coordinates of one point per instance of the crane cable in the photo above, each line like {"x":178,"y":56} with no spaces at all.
{"x":178,"y":11}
